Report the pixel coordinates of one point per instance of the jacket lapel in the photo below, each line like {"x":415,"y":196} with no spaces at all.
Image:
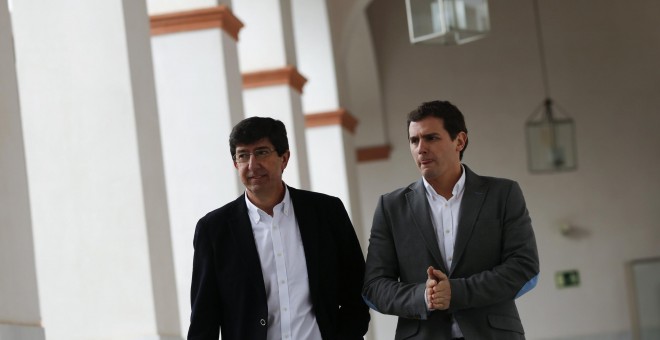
{"x":307,"y":222}
{"x":473,"y":198}
{"x":241,"y":229}
{"x":421,"y":214}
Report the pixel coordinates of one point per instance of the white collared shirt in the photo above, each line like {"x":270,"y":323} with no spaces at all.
{"x":444,"y":213}
{"x":283,"y":265}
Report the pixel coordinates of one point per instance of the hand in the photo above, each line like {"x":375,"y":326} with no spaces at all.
{"x":438,"y":290}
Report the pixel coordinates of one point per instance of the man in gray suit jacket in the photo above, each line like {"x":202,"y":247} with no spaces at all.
{"x":451,"y":252}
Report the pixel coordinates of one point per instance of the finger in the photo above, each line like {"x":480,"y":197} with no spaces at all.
{"x":441,"y":286}
{"x":441,"y":305}
{"x":429,"y":298}
{"x":431,"y":283}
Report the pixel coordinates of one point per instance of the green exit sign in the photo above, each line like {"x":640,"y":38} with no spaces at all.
{"x":567,"y":278}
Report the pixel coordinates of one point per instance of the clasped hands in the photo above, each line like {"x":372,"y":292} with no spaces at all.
{"x":438,"y":290}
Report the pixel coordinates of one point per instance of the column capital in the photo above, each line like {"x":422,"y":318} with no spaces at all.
{"x":287,"y":75}
{"x":337,"y":117}
{"x":373,"y":153}
{"x":199,"y":19}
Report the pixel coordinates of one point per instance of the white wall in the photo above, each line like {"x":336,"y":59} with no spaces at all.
{"x":602,"y":62}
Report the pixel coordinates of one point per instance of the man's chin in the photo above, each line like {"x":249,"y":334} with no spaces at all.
{"x":428,"y":174}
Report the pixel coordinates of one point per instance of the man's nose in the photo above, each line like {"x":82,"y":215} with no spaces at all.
{"x":421,"y":147}
{"x":253,"y":162}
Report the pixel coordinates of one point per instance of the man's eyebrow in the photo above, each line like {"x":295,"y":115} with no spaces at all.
{"x":432,"y":134}
{"x":242,"y":148}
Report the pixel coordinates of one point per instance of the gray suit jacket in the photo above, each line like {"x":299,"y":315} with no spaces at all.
{"x":495,"y":255}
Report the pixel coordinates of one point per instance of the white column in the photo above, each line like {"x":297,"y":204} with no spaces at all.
{"x":94,"y":169}
{"x":199,"y":98}
{"x":330,"y":127}
{"x":333,"y":159}
{"x":20,"y":317}
{"x":272,"y":83}
{"x":316,"y":55}
{"x":152,"y":173}
{"x":172,"y":6}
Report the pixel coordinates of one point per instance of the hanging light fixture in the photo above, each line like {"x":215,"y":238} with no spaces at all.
{"x":550,"y":138}
{"x":447,"y":22}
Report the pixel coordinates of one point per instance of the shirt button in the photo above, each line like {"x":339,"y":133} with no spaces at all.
{"x":449,"y":258}
{"x":279,"y":254}
{"x":284,"y":309}
{"x":282,"y":282}
{"x":446,"y":231}
{"x":262,"y":322}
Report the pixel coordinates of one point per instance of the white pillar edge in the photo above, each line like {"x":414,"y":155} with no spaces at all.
{"x":21,"y":332}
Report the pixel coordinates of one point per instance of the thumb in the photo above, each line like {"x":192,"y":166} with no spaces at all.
{"x":439,"y":274}
{"x":429,"y":272}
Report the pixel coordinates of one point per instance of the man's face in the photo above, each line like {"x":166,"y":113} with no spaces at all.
{"x":432,"y":148}
{"x":262,"y":176}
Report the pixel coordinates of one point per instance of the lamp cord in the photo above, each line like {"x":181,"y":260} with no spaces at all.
{"x":539,"y":35}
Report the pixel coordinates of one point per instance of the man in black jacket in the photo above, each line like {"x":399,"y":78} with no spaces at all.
{"x":278,"y":262}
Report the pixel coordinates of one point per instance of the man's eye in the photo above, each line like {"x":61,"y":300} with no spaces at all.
{"x":261,"y":153}
{"x":243,"y":156}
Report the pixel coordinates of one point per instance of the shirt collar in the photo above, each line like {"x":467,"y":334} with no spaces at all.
{"x":256,"y":214}
{"x":458,"y":187}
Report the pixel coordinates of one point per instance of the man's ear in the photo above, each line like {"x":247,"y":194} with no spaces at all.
{"x":461,"y":139}
{"x":285,"y":159}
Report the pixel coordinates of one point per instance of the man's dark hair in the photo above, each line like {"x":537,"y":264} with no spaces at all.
{"x":252,"y":129}
{"x":451,"y":116}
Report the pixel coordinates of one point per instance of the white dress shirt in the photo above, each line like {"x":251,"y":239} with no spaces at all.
{"x":444,"y":213}
{"x":283,"y":265}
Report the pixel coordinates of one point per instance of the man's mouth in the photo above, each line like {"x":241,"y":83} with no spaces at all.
{"x":256,"y":177}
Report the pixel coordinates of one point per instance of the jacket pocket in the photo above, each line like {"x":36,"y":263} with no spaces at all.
{"x":506,"y":323}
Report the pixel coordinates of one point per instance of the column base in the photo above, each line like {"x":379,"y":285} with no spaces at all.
{"x":21,"y":332}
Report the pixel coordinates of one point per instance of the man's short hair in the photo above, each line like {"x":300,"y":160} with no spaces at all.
{"x":451,"y":116}
{"x":252,"y":129}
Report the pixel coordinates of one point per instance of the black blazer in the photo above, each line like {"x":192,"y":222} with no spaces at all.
{"x":228,"y":293}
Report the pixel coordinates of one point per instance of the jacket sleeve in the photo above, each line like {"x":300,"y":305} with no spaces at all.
{"x":204,"y":296}
{"x":353,"y":316}
{"x":518,"y":266}
{"x":382,"y":289}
